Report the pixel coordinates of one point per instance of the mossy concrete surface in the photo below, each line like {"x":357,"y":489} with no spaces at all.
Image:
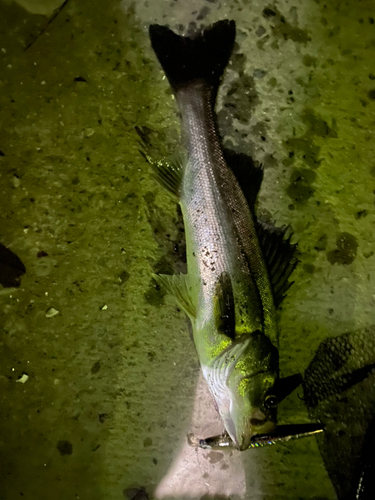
{"x":97,"y":370}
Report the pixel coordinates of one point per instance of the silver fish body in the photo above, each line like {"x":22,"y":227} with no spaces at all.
{"x":220,"y":231}
{"x":221,"y":241}
{"x":227,"y":292}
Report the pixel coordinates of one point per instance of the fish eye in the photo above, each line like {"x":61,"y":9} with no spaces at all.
{"x":271,"y":401}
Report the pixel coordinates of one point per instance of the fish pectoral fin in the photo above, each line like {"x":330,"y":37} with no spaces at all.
{"x":180,"y":287}
{"x":224,"y":310}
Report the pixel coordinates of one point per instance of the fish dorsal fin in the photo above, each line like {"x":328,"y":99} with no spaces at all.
{"x":169,"y":171}
{"x":279,"y":256}
{"x":224,"y":311}
{"x":248,"y":176}
{"x":180,"y":287}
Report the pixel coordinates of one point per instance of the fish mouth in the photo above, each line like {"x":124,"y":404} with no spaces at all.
{"x":258,"y":424}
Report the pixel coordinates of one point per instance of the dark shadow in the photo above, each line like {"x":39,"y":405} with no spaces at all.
{"x":136,"y":494}
{"x":339,"y":388}
{"x":364,"y":483}
{"x":11,"y":268}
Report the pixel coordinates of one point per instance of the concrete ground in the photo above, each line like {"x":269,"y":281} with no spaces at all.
{"x":99,"y":378}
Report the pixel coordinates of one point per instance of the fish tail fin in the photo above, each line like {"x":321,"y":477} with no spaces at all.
{"x":203,"y":56}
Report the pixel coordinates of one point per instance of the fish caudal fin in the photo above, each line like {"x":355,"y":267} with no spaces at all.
{"x":200,"y":57}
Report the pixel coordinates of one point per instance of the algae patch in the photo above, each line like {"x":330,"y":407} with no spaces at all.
{"x":346,"y":250}
{"x":305,"y":150}
{"x":300,"y":189}
{"x":65,"y":448}
{"x":304,"y":147}
{"x":283,"y":29}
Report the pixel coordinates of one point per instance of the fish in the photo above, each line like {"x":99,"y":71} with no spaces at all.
{"x":238,"y":267}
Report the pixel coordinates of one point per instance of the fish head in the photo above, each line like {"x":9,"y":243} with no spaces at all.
{"x":249,"y":406}
{"x":252,"y":408}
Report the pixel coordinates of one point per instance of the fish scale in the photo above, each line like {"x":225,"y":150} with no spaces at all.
{"x":211,"y":227}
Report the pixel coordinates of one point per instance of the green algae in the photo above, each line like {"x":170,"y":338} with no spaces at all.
{"x":334,"y":106}
{"x":69,"y":104}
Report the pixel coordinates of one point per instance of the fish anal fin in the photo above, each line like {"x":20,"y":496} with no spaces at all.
{"x":179,"y":286}
{"x":248,"y":176}
{"x":224,"y":311}
{"x":280,"y":257}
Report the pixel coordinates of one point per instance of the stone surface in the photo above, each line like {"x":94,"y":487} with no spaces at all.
{"x":113,"y":380}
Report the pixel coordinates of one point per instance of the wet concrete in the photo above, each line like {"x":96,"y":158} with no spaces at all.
{"x":99,"y":379}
